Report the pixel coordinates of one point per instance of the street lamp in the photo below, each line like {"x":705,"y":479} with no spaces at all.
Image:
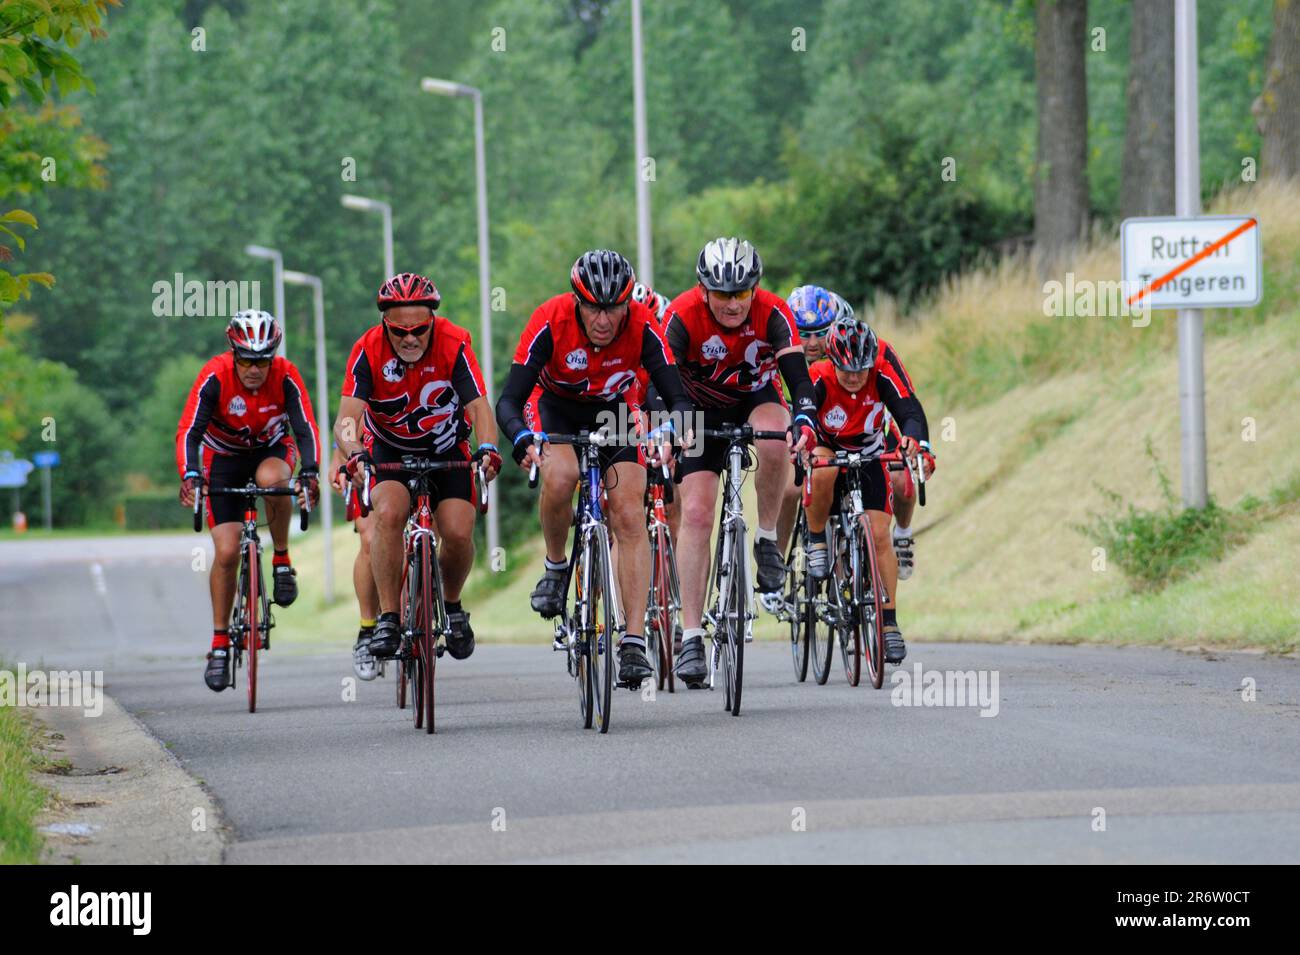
{"x":277,"y":278}
{"x":362,"y":204}
{"x":644,"y":251}
{"x":322,"y":419}
{"x":447,"y":88}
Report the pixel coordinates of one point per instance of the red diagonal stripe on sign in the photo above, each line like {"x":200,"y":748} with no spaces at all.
{"x":1204,"y":253}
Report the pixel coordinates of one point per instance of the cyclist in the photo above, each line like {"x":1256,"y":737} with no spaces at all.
{"x":813,"y":308}
{"x":413,"y":386}
{"x":585,"y":349}
{"x":236,"y":428}
{"x":861,"y":380}
{"x":363,"y":579}
{"x":730,"y":338}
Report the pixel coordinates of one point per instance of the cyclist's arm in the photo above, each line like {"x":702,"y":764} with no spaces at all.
{"x":298,"y":405}
{"x":899,"y":397}
{"x":794,"y":369}
{"x":658,"y":361}
{"x":467,"y":379}
{"x":203,"y":401}
{"x":677,"y":337}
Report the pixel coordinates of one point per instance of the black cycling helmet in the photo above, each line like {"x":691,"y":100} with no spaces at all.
{"x":602,"y":278}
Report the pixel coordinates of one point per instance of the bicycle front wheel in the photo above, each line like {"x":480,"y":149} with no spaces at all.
{"x":601,"y":630}
{"x":795,"y":571}
{"x":428,"y":629}
{"x":668,"y":605}
{"x":869,"y":600}
{"x":253,"y":619}
{"x":818,"y":600}
{"x":736,"y":614}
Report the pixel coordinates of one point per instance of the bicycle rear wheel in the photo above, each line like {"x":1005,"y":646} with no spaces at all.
{"x":869,"y":599}
{"x":252,"y":615}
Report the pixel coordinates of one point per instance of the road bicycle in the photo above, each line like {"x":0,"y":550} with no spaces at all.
{"x":729,"y":616}
{"x":423,"y":610}
{"x":250,"y":618}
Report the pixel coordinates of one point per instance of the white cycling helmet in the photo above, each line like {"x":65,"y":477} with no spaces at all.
{"x":729,"y":265}
{"x":254,"y":334}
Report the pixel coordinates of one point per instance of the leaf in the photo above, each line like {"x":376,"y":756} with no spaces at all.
{"x":20,"y":215}
{"x":40,"y":278}
{"x":21,"y":242}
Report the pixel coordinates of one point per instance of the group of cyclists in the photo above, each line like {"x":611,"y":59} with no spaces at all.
{"x":726,"y":352}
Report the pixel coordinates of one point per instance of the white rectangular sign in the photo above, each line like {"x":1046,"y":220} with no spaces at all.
{"x":1204,"y":262}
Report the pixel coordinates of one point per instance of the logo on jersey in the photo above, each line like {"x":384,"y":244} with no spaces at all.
{"x":392,"y":370}
{"x":715,"y":349}
{"x":576,"y":359}
{"x":837,"y":417}
{"x":236,"y":407}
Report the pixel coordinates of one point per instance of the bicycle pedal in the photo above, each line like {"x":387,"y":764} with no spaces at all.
{"x":439,"y":650}
{"x":629,"y":685}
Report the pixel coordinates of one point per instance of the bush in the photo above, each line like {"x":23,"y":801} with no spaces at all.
{"x":1156,"y":547}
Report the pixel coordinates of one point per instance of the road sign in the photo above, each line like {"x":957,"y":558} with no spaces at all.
{"x":1200,"y":262}
{"x":46,"y":459}
{"x":14,"y":471}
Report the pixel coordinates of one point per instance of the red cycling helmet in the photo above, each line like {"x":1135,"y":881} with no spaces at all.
{"x":408,"y":288}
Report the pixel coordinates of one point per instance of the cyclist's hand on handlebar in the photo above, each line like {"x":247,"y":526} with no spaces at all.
{"x":310,"y":482}
{"x":529,"y":451}
{"x":491,"y":458}
{"x":355,"y":461}
{"x":801,"y":437}
{"x":189,"y":484}
{"x":339,"y":478}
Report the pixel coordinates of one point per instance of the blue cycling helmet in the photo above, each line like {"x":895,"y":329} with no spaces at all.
{"x":813,"y":307}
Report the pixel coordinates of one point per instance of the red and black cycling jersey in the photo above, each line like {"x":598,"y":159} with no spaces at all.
{"x":230,"y":419}
{"x":421,"y":406}
{"x":555,"y":352}
{"x":857,"y":421}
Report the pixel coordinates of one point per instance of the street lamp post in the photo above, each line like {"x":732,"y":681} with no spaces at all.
{"x":322,"y":419}
{"x":277,"y":279}
{"x":446,"y":88}
{"x":362,"y":204}
{"x":644,"y":250}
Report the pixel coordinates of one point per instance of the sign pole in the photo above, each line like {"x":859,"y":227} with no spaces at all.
{"x":45,"y":494}
{"x":1187,"y":189}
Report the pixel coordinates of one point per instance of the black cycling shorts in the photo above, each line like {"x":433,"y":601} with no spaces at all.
{"x":565,"y":416}
{"x":710,"y":454}
{"x":236,"y":470}
{"x":455,"y":485}
{"x":877,"y":488}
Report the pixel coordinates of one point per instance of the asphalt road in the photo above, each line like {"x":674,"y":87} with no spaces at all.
{"x":1184,"y":768}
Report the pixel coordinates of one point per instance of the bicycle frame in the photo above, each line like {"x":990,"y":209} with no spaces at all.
{"x":731,"y":529}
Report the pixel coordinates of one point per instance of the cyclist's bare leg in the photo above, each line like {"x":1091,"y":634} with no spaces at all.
{"x":455,"y":545}
{"x":903,"y":506}
{"x":363,"y":578}
{"x":699,"y":496}
{"x":775,"y":472}
{"x":885,"y":556}
{"x":559,"y":477}
{"x":273,"y":472}
{"x":627,"y":520}
{"x":391,"y":505}
{"x":823,"y":493}
{"x":225,"y":570}
{"x":673,"y":511}
{"x":786,"y":517}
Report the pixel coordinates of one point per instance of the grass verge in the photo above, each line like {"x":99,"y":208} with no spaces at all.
{"x":20,"y":798}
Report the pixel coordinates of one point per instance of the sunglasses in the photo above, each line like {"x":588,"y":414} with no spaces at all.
{"x":743,"y":296}
{"x":811,"y":335}
{"x":252,"y":362}
{"x":401,"y":331}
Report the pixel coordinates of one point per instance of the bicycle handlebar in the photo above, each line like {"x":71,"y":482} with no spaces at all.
{"x":250,"y":490}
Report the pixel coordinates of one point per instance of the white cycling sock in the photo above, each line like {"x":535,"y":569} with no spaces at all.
{"x":693,"y":632}
{"x":763,"y":534}
{"x":901,"y":531}
{"x":556,"y":565}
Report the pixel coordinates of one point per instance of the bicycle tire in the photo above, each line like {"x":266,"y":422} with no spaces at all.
{"x":796,"y":570}
{"x":736,"y":613}
{"x":428,"y":635}
{"x":252,"y":633}
{"x":669,"y":606}
{"x":577,"y":639}
{"x":601,"y":631}
{"x":848,"y":632}
{"x":871,"y":611}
